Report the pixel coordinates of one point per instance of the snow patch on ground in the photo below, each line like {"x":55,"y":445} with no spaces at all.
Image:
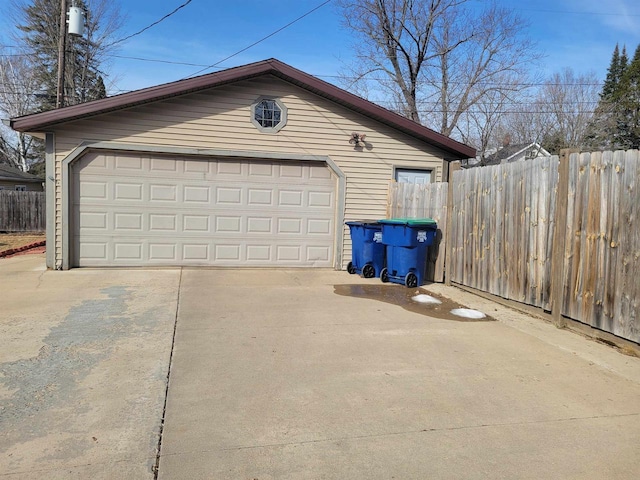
{"x":422,"y":298}
{"x":468,"y":313}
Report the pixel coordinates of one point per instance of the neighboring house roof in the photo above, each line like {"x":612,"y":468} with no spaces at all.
{"x":11,"y":174}
{"x":511,"y":153}
{"x":41,"y":122}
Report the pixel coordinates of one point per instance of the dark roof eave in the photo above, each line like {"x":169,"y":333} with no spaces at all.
{"x":369,"y":109}
{"x":21,"y":180}
{"x":41,"y":121}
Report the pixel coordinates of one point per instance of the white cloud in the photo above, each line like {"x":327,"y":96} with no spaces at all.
{"x":621,"y":15}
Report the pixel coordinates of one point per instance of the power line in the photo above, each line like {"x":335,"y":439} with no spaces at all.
{"x":259,"y":41}
{"x":565,"y":12}
{"x":149,"y":26}
{"x":155,"y":60}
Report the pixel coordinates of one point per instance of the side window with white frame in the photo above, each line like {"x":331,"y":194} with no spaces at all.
{"x":268,"y":114}
{"x":21,"y":188}
{"x":410,"y":175}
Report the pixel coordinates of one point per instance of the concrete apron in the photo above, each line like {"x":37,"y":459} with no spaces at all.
{"x":275,"y":376}
{"x":84,"y":356}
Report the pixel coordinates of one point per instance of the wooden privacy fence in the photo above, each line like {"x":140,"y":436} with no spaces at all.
{"x":406,"y":200}
{"x":502,"y":229}
{"x":601,"y":261}
{"x":22,"y":211}
{"x":559,"y":233}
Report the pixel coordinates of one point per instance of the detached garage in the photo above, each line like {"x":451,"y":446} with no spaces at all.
{"x":253,"y":166}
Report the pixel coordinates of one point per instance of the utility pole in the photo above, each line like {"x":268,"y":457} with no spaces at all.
{"x":62,"y":47}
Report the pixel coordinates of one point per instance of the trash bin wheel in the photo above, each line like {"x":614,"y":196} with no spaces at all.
{"x":351,"y":269}
{"x":411,"y":280}
{"x":384,"y":275}
{"x":368,"y":271}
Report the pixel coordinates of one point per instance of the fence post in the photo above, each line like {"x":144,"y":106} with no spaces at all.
{"x":559,"y":236}
{"x":453,"y":167}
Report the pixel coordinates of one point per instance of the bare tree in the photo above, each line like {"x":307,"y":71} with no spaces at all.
{"x":479,"y":124}
{"x":557,"y":117}
{"x":525,"y":121}
{"x":442,"y":57}
{"x":17,"y":98}
{"x":570,"y":100}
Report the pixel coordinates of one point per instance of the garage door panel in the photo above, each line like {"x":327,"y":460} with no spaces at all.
{"x":162,"y":222}
{"x":127,"y":191}
{"x":259,"y":197}
{"x":163,"y":165}
{"x":128,"y":221}
{"x":242,"y":253}
{"x":94,"y":189}
{"x":127,"y":163}
{"x":162,"y":252}
{"x":259,"y":225}
{"x":127,"y":250}
{"x":214,"y":212}
{"x":261,"y":170}
{"x":230,"y":168}
{"x":320,"y":199}
{"x":93,"y":251}
{"x":231,"y":224}
{"x":229,"y":196}
{"x":320,"y":172}
{"x":162,"y":192}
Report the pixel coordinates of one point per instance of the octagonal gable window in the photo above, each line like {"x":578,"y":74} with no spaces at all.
{"x":269,"y":115}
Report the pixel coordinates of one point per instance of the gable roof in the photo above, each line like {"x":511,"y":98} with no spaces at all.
{"x":510,"y":151}
{"x":9,"y":173}
{"x":41,"y":122}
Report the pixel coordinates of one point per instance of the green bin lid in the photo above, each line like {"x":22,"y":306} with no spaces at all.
{"x":411,"y":222}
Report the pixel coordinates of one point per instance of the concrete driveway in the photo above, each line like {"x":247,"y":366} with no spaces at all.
{"x":84,"y":356}
{"x":286,"y":374}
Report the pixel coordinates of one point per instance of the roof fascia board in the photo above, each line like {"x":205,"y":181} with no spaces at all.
{"x":292,"y":75}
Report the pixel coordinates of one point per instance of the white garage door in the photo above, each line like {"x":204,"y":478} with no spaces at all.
{"x":131,"y":209}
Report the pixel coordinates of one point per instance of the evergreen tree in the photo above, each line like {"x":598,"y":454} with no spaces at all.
{"x":628,"y":102}
{"x":616,"y":121}
{"x":40,"y":33}
{"x":614,"y":73}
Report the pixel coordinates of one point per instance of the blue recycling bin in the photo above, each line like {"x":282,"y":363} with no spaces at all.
{"x":406,"y":242}
{"x":367,"y":250}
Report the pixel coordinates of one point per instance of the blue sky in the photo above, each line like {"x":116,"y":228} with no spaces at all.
{"x":580,"y":34}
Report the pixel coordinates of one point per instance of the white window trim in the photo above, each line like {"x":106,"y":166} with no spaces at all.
{"x":283,"y":115}
{"x":431,"y":171}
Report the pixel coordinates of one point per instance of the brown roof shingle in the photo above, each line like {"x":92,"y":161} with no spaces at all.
{"x":41,"y":122}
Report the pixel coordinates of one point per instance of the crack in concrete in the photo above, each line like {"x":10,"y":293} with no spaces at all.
{"x":156,"y":466}
{"x":407,"y":432}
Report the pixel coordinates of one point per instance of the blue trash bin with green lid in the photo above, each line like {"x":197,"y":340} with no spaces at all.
{"x":367,"y":250}
{"x":406,"y":241}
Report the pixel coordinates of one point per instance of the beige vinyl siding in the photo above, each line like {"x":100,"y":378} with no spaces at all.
{"x":220,"y":119}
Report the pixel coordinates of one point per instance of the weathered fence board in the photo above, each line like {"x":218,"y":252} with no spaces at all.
{"x":22,"y":211}
{"x":406,"y":200}
{"x":502,"y":227}
{"x":604,"y":260}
